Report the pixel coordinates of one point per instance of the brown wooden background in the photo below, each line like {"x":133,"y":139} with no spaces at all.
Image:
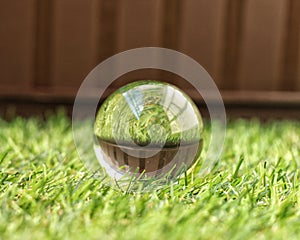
{"x":250,"y":47}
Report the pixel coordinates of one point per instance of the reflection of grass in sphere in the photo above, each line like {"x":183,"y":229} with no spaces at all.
{"x":115,"y":113}
{"x":151,"y":116}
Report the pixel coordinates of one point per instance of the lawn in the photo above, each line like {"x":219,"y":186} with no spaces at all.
{"x":46,"y":192}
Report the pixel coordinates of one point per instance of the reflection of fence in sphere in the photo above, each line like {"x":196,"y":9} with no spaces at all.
{"x":127,"y":161}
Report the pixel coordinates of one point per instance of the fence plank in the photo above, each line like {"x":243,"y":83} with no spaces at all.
{"x":298,"y":78}
{"x":202,"y":33}
{"x":43,"y":73}
{"x":74,"y":41}
{"x":17,"y":41}
{"x":171,"y":23}
{"x":139,"y":26}
{"x":262,"y":44}
{"x":291,"y":71}
{"x":232,"y":40}
{"x":107,"y":25}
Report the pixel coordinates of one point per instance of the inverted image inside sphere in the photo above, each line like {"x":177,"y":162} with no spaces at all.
{"x":144,"y":116}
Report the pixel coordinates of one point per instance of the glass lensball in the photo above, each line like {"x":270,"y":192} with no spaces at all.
{"x":150,"y":128}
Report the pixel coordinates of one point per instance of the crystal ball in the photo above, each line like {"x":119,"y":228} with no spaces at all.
{"x":148,"y":128}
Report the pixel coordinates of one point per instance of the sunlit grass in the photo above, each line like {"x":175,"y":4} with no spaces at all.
{"x":46,"y":192}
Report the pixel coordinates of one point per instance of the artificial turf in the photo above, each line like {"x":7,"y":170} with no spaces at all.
{"x":47,"y":193}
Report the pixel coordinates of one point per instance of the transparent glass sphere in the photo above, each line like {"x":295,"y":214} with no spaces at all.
{"x":150,"y":128}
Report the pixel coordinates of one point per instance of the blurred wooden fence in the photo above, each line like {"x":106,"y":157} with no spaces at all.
{"x":47,"y":47}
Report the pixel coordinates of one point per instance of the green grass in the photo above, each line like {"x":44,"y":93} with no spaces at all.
{"x":46,"y":192}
